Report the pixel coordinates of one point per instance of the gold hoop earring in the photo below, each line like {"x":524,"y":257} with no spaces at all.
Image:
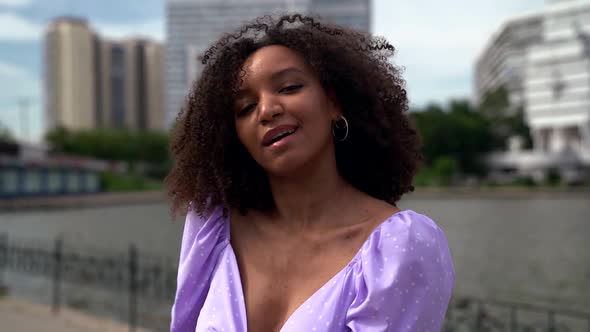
{"x":340,"y":124}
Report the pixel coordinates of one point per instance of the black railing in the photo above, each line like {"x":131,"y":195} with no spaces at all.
{"x":152,"y":277}
{"x":474,"y":314}
{"x":136,"y":274}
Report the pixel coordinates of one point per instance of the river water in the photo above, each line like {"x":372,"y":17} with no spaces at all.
{"x":529,"y":247}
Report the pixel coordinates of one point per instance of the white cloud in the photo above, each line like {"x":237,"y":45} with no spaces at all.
{"x":10,"y":71}
{"x":15,"y":3}
{"x":153,"y":29}
{"x":33,"y":130}
{"x":18,"y":83}
{"x":15,"y":28}
{"x":438,"y":41}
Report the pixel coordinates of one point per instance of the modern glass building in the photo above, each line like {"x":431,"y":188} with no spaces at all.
{"x":350,"y":13}
{"x":192,"y":25}
{"x":502,"y":62}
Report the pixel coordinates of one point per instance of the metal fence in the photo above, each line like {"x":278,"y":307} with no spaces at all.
{"x":475,"y":314}
{"x":148,"y":276}
{"x":137,"y":275}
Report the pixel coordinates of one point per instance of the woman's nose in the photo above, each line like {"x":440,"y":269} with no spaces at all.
{"x":269,"y":109}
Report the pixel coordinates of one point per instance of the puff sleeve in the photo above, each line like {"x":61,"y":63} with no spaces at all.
{"x":405,"y":278}
{"x":202,"y":242}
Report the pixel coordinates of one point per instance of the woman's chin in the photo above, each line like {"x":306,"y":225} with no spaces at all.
{"x":287,"y":171}
{"x":284,"y":167}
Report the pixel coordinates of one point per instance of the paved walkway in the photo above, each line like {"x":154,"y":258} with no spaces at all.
{"x":22,"y":316}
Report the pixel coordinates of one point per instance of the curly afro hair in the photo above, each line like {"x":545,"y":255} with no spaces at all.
{"x":379,"y":157}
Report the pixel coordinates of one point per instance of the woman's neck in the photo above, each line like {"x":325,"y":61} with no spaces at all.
{"x":312,"y":196}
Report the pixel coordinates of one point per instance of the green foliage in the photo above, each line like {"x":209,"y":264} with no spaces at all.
{"x":553,"y":177}
{"x":445,"y":168}
{"x":5,"y":134}
{"x":495,"y":103}
{"x":441,"y":173}
{"x":525,"y":181}
{"x":111,"y":144}
{"x":115,"y":144}
{"x":508,"y":120}
{"x":518,"y":126}
{"x":127,"y":182}
{"x":146,"y":153}
{"x":459,"y":133}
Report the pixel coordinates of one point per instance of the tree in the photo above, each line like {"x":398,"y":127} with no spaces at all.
{"x":518,"y":126}
{"x":5,"y":134}
{"x":508,"y":120}
{"x":149,"y":147}
{"x":458,"y":132}
{"x":495,"y":103}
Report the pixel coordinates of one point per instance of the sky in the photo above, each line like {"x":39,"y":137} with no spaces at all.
{"x":437,"y":44}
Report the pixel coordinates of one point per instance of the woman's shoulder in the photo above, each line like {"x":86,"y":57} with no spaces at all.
{"x":407,"y":238}
{"x":203,"y":231}
{"x":407,"y":227}
{"x":404,"y":278}
{"x":203,"y":240}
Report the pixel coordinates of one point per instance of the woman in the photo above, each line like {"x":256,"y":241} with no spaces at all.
{"x":291,"y":153}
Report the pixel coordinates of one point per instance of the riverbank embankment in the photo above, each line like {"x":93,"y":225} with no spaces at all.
{"x":81,"y":201}
{"x":148,"y":197}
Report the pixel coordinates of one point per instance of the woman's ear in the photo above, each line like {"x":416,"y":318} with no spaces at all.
{"x":335,"y":107}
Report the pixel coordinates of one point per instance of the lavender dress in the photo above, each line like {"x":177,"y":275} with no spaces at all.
{"x":400,"y":280}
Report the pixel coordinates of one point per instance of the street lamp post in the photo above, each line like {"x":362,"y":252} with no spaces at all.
{"x":23,"y":111}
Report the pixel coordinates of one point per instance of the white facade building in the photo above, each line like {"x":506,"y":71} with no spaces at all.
{"x":558,"y":81}
{"x":555,"y":72}
{"x":503,"y":61}
{"x":192,"y":25}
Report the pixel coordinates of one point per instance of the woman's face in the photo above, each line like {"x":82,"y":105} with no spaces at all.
{"x":282,"y":114}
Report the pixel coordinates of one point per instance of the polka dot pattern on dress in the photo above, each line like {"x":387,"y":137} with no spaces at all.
{"x":400,"y":280}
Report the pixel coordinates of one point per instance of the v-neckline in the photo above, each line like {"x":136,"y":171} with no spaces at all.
{"x":313,"y":295}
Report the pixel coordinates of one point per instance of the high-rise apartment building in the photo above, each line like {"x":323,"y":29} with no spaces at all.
{"x":71,"y":70}
{"x":502,"y":62}
{"x":92,"y":82}
{"x":154,"y":86}
{"x":192,"y":25}
{"x":553,"y":85}
{"x":132,"y":84}
{"x":558,"y":81}
{"x":354,"y":14}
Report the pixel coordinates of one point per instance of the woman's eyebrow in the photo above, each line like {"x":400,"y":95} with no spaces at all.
{"x":283,"y":72}
{"x":273,"y":77}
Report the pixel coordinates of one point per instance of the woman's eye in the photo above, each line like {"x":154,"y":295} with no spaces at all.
{"x":291,"y":88}
{"x":246,"y":109}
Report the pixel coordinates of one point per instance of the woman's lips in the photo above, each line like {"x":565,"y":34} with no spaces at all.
{"x":278,"y":134}
{"x":281,"y":143}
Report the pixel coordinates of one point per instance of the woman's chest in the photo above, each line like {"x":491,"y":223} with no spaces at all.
{"x":266,"y":306}
{"x":283,"y":273}
{"x":278,"y":282}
